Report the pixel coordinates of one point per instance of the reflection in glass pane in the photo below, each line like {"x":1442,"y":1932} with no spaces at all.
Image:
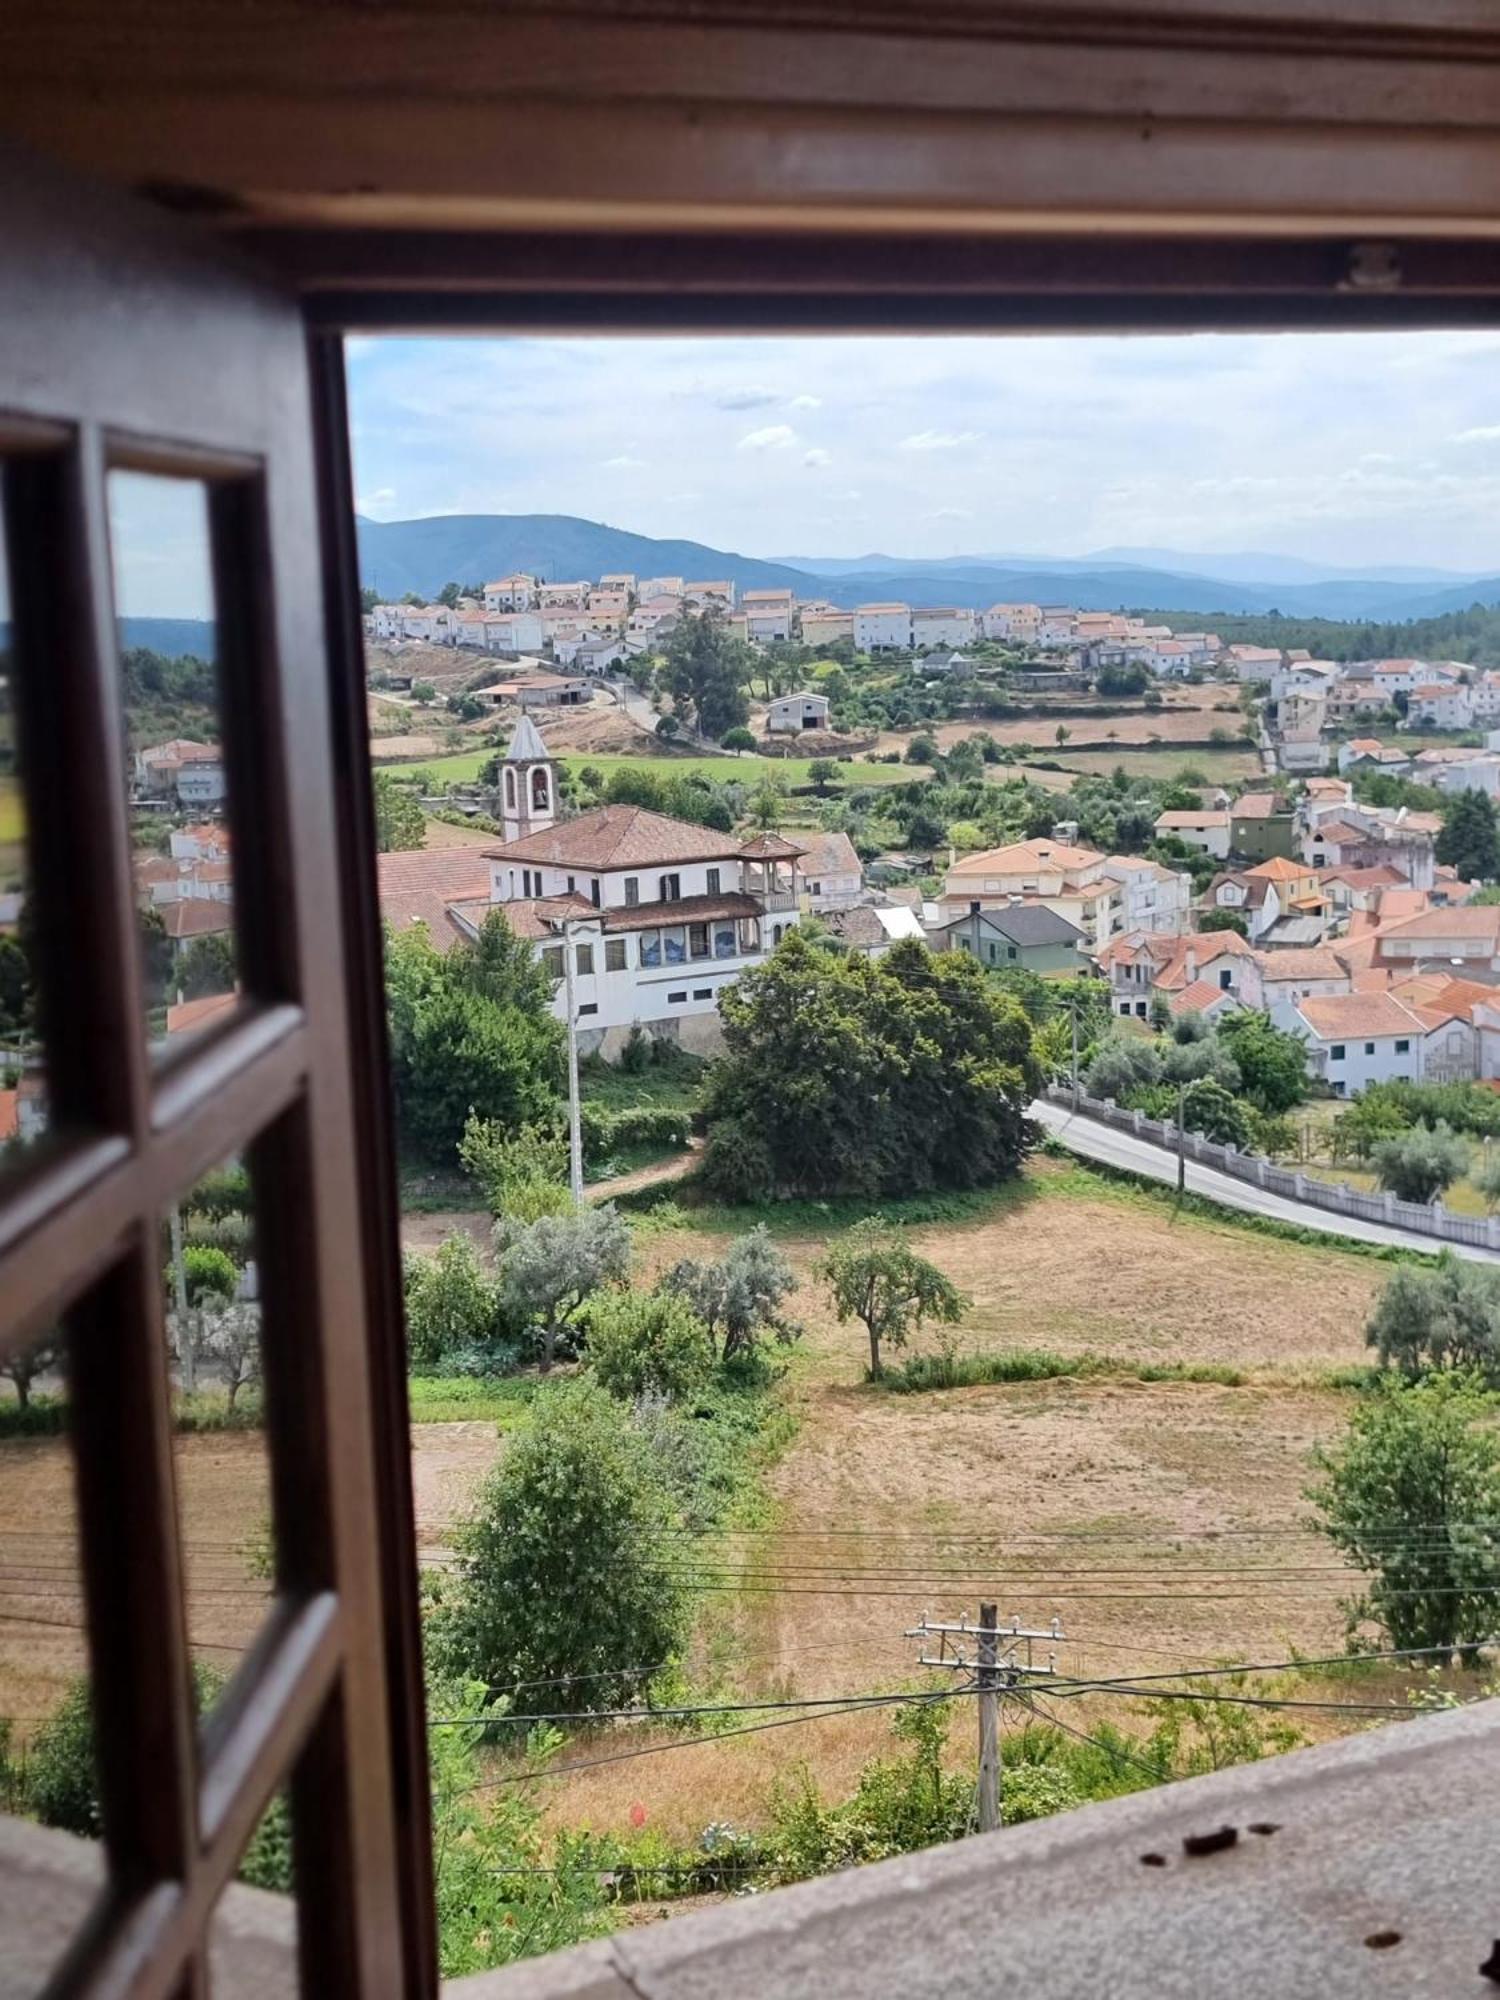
{"x":23,"y":1099}
{"x":211,"y":1300}
{"x":164,"y":600}
{"x":46,"y":1733}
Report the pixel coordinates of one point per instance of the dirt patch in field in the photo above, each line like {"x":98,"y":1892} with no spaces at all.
{"x":604,"y":729}
{"x":407,"y":749}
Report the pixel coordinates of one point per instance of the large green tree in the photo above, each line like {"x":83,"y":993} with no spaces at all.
{"x":707,"y":671}
{"x":1412,"y":1497}
{"x":471,"y":1031}
{"x":568,"y":1594}
{"x":398,"y":815}
{"x":853,"y":1075}
{"x":1272,"y":1063}
{"x":1470,"y":838}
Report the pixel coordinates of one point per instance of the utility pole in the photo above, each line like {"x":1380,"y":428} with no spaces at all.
{"x":1074,"y":1012}
{"x":989,"y":1720}
{"x":1181,"y":1138}
{"x":575,"y":1128}
{"x":187,"y":1346}
{"x":991,"y":1653}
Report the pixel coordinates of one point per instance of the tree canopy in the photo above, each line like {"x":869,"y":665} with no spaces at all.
{"x":706,"y":672}
{"x":568,"y":1593}
{"x":852,"y":1075}
{"x":875,"y":1276}
{"x":1470,"y":839}
{"x":471,"y":1031}
{"x":399,"y":821}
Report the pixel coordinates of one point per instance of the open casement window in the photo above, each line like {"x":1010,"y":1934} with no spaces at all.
{"x":131,"y":350}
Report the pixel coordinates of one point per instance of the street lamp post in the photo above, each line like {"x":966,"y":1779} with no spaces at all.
{"x":575,"y":1128}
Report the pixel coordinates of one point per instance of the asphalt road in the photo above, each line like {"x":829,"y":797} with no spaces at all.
{"x":1121,"y":1149}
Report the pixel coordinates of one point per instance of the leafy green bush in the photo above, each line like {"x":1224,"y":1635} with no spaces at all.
{"x":738,"y":1296}
{"x":524,"y":1173}
{"x":1412,"y":1496}
{"x":647,"y":1344}
{"x":452,"y":1305}
{"x":551,"y":1266}
{"x":224,"y":1192}
{"x":566,"y":1578}
{"x":208,"y":1273}
{"x":1121,"y":1064}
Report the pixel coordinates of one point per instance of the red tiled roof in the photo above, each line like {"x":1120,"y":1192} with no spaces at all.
{"x":416,"y":887}
{"x":1355,"y":1015}
{"x":188,"y":1016}
{"x":196,"y":916}
{"x":620,"y":837}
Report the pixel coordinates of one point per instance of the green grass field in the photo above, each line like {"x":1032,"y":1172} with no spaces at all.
{"x":746,"y":770}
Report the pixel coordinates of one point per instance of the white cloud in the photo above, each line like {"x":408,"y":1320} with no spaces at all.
{"x":805,"y":403}
{"x":938,"y":440}
{"x":753,"y":396}
{"x":624,"y":464}
{"x":817,"y":456}
{"x":378,"y":502}
{"x":951,"y":514}
{"x":775,"y":437}
{"x":1483,"y":434}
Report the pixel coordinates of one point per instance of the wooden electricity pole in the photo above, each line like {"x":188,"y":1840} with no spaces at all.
{"x":987,"y":1674}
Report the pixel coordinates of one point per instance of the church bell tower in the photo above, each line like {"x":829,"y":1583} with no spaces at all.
{"x":528,"y":783}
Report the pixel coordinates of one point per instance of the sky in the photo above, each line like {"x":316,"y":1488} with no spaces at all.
{"x":1356,"y":450}
{"x":1350,"y":449}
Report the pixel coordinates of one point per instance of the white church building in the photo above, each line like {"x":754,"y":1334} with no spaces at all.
{"x":659,"y":914}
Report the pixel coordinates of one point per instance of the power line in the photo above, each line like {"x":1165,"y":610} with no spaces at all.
{"x":590,"y":1716}
{"x":721,"y":1736}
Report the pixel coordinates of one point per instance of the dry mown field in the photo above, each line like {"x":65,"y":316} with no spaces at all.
{"x":1131,"y":1511}
{"x":1137,"y":1513}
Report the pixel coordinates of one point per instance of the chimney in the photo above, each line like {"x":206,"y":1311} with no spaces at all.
{"x":1191,"y":963}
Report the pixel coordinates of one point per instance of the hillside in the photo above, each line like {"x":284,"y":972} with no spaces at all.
{"x":423,"y":555}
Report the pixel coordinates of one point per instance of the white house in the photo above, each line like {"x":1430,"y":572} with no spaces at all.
{"x":1150,"y":897}
{"x":1290,"y":976}
{"x":717,"y":592}
{"x":790,"y":714}
{"x":1207,"y":832}
{"x":650,"y":587}
{"x":831,"y":873}
{"x":510,"y":632}
{"x":768,"y":615}
{"x":1355,"y":1039}
{"x":183,"y":769}
{"x":563,"y":596}
{"x":660,"y":915}
{"x":944,"y":625}
{"x":882,"y":628}
{"x":1021,"y":622}
{"x":1071,"y":881}
{"x":1440,"y":705}
{"x":1259,"y":664}
{"x":511,"y":593}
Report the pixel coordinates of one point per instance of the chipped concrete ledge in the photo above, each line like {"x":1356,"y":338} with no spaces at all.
{"x":1391,"y":1836}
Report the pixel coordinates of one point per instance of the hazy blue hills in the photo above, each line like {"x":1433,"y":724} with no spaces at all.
{"x":423,"y":555}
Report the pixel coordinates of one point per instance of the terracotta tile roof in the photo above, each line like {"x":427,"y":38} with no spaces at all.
{"x":1311,"y":962}
{"x":1278,"y":869}
{"x":1356,"y":1016}
{"x":1382,"y":876}
{"x":1438,"y":999}
{"x":1481,"y":922}
{"x":416,"y":887}
{"x":1205,"y":818}
{"x":687,"y":910}
{"x":10,"y":1116}
{"x":188,"y":1016}
{"x":828,"y":854}
{"x":620,"y":837}
{"x":533,"y":917}
{"x":1026,"y":855}
{"x":1396,"y":905}
{"x":1195,"y":998}
{"x":771,"y":847}
{"x":1256,"y":805}
{"x":197,"y":916}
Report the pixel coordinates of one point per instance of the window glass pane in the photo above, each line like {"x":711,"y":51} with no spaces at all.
{"x":23,"y":1093}
{"x":211,"y":1303}
{"x":46,"y":1738}
{"x":650,"y":947}
{"x":164,"y":601}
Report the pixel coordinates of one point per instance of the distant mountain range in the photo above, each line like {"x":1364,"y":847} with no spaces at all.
{"x":423,"y":555}
{"x":169,"y":636}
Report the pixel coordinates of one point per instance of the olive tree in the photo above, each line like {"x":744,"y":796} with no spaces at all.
{"x":1418,"y":1165}
{"x":738,"y":1296}
{"x":549,"y":1267}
